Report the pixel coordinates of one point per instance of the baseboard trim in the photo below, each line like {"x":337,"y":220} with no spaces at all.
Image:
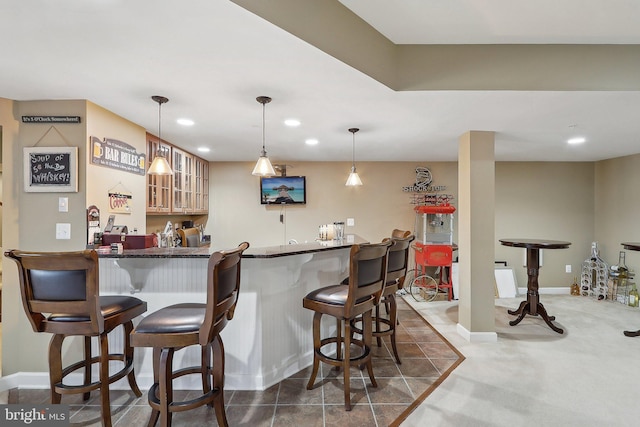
{"x":476,"y":336}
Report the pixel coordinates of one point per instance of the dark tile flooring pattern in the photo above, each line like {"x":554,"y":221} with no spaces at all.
{"x":427,"y":358}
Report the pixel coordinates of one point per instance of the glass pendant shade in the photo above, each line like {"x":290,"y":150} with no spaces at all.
{"x":263,"y":165}
{"x":354,"y":179}
{"x":160,"y":165}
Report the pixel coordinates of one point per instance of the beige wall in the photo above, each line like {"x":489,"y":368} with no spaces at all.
{"x":550,"y":200}
{"x":102,"y":124}
{"x":378,"y":206}
{"x":616,"y":206}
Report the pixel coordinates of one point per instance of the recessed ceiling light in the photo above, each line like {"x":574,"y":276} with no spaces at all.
{"x":576,"y":140}
{"x":292,"y":122}
{"x":185,"y":122}
{"x":311,"y":141}
{"x":204,"y":149}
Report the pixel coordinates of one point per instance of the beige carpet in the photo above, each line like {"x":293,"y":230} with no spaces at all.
{"x":532,"y":376}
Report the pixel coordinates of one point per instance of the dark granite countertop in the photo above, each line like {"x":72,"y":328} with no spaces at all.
{"x":264,"y":252}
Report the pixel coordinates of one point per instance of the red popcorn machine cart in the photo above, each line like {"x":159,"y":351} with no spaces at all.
{"x":433,"y":247}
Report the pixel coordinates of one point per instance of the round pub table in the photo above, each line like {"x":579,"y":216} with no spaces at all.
{"x":532,"y":304}
{"x":631,"y":246}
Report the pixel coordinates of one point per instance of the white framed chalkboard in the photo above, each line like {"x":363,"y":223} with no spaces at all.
{"x":51,"y":169}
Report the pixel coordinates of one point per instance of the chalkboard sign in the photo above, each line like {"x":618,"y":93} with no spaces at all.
{"x":51,"y":169}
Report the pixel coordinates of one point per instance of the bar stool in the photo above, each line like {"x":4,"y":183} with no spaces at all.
{"x":367,"y":277}
{"x":396,"y":233}
{"x":181,"y":325}
{"x":60,"y":295}
{"x":396,"y":272}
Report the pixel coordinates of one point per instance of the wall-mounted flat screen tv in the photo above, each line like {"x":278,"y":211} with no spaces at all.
{"x":283,"y":190}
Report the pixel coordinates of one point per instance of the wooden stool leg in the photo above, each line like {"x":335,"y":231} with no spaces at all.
{"x":366,"y":339}
{"x":128,"y":358}
{"x":316,"y":347}
{"x":393,"y":321}
{"x":346,"y":362}
{"x":377,"y":328}
{"x":104,"y":380}
{"x":155,"y":415}
{"x":339,"y":340}
{"x":55,"y":366}
{"x":87,"y":366}
{"x":205,"y":359}
{"x":166,"y":386}
{"x":218,"y":381}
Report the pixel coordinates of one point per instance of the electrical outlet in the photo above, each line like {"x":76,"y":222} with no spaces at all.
{"x":63,"y":231}
{"x":351,"y":222}
{"x":567,"y":268}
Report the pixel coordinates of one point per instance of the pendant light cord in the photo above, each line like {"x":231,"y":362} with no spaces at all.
{"x":353,"y":145}
{"x":263,"y":127}
{"x":160,"y":122}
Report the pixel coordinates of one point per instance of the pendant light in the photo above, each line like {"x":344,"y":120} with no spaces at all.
{"x":263,"y":166}
{"x":354,"y":179}
{"x":160,"y":165}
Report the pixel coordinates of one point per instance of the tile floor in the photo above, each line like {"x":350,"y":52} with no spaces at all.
{"x":427,"y":358}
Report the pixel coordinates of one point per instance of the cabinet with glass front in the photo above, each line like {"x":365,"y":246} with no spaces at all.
{"x":158,"y":186}
{"x":184,"y":193}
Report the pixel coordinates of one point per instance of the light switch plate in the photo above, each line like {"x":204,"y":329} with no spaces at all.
{"x":63,"y":204}
{"x":63,"y":231}
{"x":351,"y":222}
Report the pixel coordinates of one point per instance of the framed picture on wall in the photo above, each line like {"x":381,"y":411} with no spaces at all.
{"x":51,"y":169}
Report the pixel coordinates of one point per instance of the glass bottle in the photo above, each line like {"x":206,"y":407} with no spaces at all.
{"x":633,"y":296}
{"x":620,"y":274}
{"x":575,"y":288}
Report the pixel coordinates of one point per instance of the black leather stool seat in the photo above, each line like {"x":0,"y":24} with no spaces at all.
{"x":174,"y":319}
{"x":336,"y":294}
{"x":109,"y":306}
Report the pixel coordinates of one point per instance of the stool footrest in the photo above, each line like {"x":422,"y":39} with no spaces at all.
{"x":183,"y":405}
{"x":62,"y":388}
{"x":335,"y":361}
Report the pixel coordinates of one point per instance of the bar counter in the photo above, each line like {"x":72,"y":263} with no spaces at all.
{"x":270,"y":336}
{"x":265,"y":252}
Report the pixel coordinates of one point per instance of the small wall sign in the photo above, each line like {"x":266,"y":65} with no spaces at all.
{"x":50,"y":119}
{"x":119,"y":202}
{"x":50,"y":169}
{"x":115,"y":154}
{"x":424,"y":192}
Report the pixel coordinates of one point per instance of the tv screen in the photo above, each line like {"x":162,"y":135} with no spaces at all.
{"x":283,"y":190}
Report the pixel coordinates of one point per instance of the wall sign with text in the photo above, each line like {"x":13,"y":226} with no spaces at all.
{"x":51,"y":169}
{"x":115,"y":154}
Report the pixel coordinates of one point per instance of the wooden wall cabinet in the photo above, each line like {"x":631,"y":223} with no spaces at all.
{"x":184,"y":193}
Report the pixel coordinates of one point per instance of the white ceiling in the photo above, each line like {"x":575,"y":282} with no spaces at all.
{"x":212,"y":58}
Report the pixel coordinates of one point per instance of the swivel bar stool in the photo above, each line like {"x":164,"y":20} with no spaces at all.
{"x":367,"y":277}
{"x":181,"y":325}
{"x":60,"y":295}
{"x":396,"y":272}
